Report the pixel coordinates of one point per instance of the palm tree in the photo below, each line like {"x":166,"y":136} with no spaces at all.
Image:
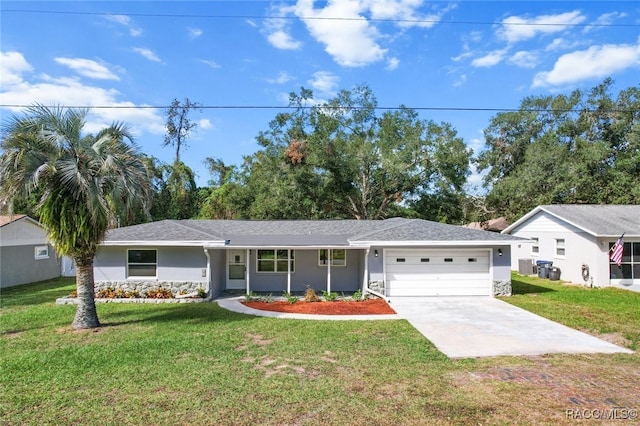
{"x":86,"y":182}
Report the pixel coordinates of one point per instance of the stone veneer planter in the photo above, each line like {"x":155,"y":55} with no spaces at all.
{"x":74,"y":301}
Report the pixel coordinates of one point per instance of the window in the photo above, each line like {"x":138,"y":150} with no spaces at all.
{"x":630,"y":266}
{"x":338,"y":257}
{"x":448,"y":259}
{"x":41,"y":252}
{"x":473,"y":259}
{"x":560,"y":247}
{"x":400,"y":260}
{"x":142,"y":263}
{"x":275,"y":260}
{"x":535,"y":247}
{"x":424,"y":260}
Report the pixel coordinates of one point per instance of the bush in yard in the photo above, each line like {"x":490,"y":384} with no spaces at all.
{"x":290,"y":298}
{"x":329,"y":296}
{"x":310,"y":295}
{"x":160,"y":293}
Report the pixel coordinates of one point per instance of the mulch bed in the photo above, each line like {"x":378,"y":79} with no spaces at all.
{"x":339,"y":307}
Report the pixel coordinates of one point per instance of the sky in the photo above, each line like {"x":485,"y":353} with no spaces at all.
{"x":457,"y":62}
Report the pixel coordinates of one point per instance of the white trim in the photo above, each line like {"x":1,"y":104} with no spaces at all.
{"x":276,"y":260}
{"x":426,"y":244}
{"x":43,"y":248}
{"x":556,"y":247}
{"x":172,"y":243}
{"x":140,"y":277}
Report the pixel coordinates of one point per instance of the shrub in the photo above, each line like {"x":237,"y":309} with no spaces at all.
{"x":269,"y":298}
{"x":201,"y":293}
{"x":106,"y":293}
{"x":310,"y":295}
{"x":160,"y":293}
{"x":290,"y":298}
{"x":329,"y":296}
{"x":74,"y":293}
{"x":133,"y":294}
{"x":250,"y":296}
{"x":357,"y":295}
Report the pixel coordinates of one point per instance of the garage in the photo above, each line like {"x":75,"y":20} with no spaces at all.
{"x":413,"y":272}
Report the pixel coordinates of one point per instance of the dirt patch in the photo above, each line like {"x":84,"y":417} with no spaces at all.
{"x":557,"y":385}
{"x":340,"y":307}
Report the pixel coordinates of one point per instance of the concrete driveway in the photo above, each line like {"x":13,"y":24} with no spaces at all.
{"x":466,"y":327}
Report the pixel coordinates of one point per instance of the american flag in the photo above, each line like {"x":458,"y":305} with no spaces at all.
{"x":617,"y":250}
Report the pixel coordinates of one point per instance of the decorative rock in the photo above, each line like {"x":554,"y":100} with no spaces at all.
{"x":502,"y":288}
{"x":377,"y":286}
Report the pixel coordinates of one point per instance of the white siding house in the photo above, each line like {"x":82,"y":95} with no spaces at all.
{"x":25,"y":252}
{"x":577,"y":239}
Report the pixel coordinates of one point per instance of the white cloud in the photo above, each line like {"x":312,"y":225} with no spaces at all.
{"x":282,"y":40}
{"x":88,"y":68}
{"x":595,"y":62}
{"x":147,"y":53}
{"x":324,"y":82}
{"x":406,"y":11}
{"x":211,"y":64}
{"x":205,"y":123}
{"x":277,"y":29}
{"x":194,"y":32}
{"x":12,"y":66}
{"x":351,"y":43}
{"x":282,"y":78}
{"x":125,"y":21}
{"x":459,"y":82}
{"x":604,"y":20}
{"x":44,"y":89}
{"x":251,"y":23}
{"x":490,"y":59}
{"x":524,"y":59}
{"x":392,"y":64}
{"x":515,"y":28}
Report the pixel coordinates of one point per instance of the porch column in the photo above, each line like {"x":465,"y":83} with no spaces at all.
{"x":247,"y":269}
{"x":289,"y":271}
{"x":328,"y":270}
{"x":365,"y":279}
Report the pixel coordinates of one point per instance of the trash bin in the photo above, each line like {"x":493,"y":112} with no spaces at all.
{"x":543,"y":268}
{"x":554,"y":273}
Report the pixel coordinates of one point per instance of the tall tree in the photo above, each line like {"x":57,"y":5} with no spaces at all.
{"x":86,"y":182}
{"x":180,"y":190}
{"x":577,"y":148}
{"x":179,"y":125}
{"x":340,"y":159}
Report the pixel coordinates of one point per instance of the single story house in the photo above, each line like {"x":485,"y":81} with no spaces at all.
{"x":392,"y":257}
{"x":25,"y":252}
{"x":578,"y":238}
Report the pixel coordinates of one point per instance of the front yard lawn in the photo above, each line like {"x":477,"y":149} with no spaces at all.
{"x":198,"y":364}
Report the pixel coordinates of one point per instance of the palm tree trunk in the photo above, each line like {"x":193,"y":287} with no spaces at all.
{"x":86,"y":314}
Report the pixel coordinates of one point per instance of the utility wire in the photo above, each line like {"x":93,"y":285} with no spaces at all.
{"x":326,"y":107}
{"x":318,"y":18}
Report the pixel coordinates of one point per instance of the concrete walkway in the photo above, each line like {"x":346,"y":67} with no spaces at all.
{"x":467,"y":327}
{"x":233,"y":304}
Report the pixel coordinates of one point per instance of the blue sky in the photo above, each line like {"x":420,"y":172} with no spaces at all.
{"x":422,"y":54}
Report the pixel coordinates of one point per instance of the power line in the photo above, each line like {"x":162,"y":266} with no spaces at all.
{"x":326,"y":107}
{"x":318,"y":18}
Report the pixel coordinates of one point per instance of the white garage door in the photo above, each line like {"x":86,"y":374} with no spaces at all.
{"x":437,"y":272}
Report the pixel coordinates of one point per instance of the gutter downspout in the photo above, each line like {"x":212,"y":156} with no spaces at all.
{"x":365,"y":279}
{"x":247,"y":269}
{"x":209,"y":293}
{"x":329,"y":270}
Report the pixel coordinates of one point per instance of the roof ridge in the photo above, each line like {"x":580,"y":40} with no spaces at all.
{"x":179,"y":222}
{"x":402,"y":221}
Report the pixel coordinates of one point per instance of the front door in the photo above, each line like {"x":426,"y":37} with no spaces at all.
{"x":236,"y":269}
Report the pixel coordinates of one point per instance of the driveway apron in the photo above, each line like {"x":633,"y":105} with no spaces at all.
{"x":466,"y":327}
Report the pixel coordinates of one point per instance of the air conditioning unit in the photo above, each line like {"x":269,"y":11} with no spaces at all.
{"x":526,"y":267}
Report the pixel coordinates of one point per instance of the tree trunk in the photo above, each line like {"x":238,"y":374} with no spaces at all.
{"x":86,"y":314}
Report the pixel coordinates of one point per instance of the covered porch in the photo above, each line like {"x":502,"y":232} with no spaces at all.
{"x":291,"y":269}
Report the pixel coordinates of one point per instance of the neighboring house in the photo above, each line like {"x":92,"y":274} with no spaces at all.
{"x":25,"y":253}
{"x":393,"y":257}
{"x":578,"y":238}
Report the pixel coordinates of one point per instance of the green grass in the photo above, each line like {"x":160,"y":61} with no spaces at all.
{"x":594,"y":310}
{"x":199,"y":364}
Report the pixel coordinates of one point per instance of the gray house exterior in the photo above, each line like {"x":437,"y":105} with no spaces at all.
{"x":578,"y":238}
{"x":393,"y":257}
{"x":25,"y":252}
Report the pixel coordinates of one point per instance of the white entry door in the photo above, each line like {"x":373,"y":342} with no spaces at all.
{"x":236,"y":269}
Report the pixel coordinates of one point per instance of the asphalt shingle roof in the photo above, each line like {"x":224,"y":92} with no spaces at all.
{"x":298,"y":232}
{"x":606,"y":220}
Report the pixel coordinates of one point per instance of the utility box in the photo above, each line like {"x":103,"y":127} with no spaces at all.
{"x":526,"y":267}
